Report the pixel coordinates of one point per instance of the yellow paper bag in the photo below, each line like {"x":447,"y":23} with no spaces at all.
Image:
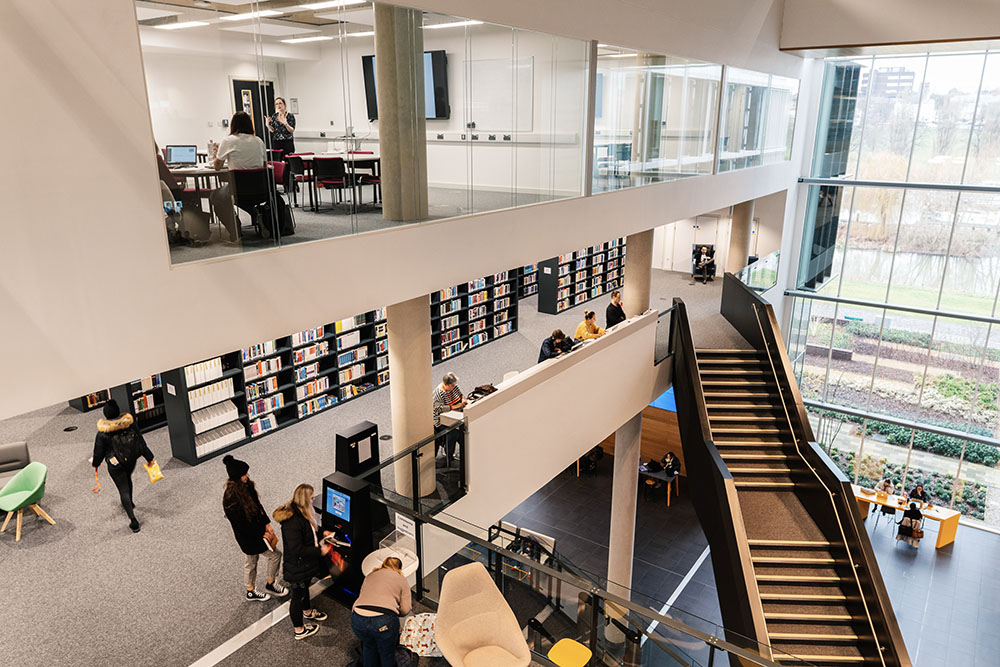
{"x":153,"y":470}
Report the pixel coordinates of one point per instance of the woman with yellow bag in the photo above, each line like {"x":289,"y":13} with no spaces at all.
{"x":120,"y":443}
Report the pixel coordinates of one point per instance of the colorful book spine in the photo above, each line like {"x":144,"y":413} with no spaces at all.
{"x":316,"y":351}
{"x":262,"y":368}
{"x":349,"y":357}
{"x":312,"y":388}
{"x":265,"y":405}
{"x":257,"y":351}
{"x":263,"y":388}
{"x":306,"y":372}
{"x":307,"y":336}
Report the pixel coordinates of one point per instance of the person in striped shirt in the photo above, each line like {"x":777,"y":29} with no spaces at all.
{"x":447,"y":396}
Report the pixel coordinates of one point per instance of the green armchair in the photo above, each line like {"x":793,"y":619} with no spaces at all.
{"x":24,"y":490}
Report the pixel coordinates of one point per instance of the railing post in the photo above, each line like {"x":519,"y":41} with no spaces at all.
{"x":594,"y":602}
{"x":711,"y":655}
{"x":415,"y":488}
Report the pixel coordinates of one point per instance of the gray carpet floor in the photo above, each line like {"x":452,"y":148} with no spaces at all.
{"x":88,"y":591}
{"x":337,"y":220}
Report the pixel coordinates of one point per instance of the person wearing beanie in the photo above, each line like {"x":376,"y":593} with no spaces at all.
{"x":120,"y":443}
{"x":252,"y":529}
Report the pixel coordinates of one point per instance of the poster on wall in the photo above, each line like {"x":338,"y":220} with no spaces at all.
{"x":247,"y":96}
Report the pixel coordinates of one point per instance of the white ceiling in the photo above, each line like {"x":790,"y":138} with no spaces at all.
{"x":272,"y":29}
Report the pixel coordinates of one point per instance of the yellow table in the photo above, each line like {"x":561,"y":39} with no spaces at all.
{"x":948,"y":518}
{"x":569,"y":653}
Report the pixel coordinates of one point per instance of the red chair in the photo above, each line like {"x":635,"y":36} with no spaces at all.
{"x":297,"y":167}
{"x":330,"y":173}
{"x":279,"y":172}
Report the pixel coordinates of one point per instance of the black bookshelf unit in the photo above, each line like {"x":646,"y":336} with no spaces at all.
{"x":206,"y":408}
{"x":90,"y":401}
{"x":268,"y":386}
{"x":577,"y":277}
{"x":144,"y":399}
{"x":471,"y":314}
{"x":527,"y":280}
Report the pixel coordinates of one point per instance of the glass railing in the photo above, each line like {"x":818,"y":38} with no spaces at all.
{"x":762,"y":275}
{"x":554,"y":599}
{"x":664,"y":345}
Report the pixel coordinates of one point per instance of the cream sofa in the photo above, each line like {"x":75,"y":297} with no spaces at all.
{"x":475,"y":625}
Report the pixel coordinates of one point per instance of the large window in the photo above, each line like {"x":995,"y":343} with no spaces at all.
{"x":908,"y":278}
{"x":757,"y":119}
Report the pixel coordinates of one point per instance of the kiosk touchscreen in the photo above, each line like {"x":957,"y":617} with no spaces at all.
{"x":346,"y":513}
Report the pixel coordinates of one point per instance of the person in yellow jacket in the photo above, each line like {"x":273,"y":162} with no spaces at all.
{"x":588,"y":328}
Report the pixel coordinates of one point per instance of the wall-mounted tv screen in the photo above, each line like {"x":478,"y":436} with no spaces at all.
{"x":435,"y":85}
{"x":338,"y":504}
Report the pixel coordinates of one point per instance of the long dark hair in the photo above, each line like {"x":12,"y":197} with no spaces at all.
{"x":241,"y":123}
{"x":242,"y":495}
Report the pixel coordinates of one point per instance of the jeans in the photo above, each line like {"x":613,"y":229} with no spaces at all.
{"x":379,"y":636}
{"x":273,"y":559}
{"x":298,"y":603}
{"x":122,"y":477}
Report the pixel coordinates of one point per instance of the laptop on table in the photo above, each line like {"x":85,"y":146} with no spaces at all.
{"x":182,"y":156}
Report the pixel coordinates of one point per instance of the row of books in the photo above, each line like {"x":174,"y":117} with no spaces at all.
{"x":303,"y":373}
{"x":503,"y":329}
{"x":264,"y":405}
{"x":217,"y":438}
{"x":263,"y":425}
{"x":452,"y":350}
{"x":214,"y":415}
{"x":352,"y":373}
{"x":351,"y":356}
{"x":349,"y":340}
{"x":97,"y":398}
{"x":448,"y":307}
{"x":316,"y":404}
{"x":258,"y":351}
{"x":147,"y":383}
{"x":262,"y":388}
{"x":262,"y":368}
{"x":143,"y":403}
{"x":383,"y":377}
{"x":209,"y":394}
{"x":478,"y":339}
{"x":306,"y":354}
{"x":352,"y":322}
{"x":307,"y":336}
{"x":352,"y":390}
{"x":304,"y":391}
{"x":202,"y":372}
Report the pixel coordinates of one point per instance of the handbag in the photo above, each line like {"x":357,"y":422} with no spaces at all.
{"x":918,"y":533}
{"x":153,"y":470}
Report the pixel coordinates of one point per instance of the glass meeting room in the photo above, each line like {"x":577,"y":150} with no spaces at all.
{"x":266,"y":120}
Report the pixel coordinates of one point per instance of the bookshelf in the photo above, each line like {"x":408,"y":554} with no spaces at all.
{"x":221,"y":403}
{"x":144,"y":399}
{"x":473,"y":313}
{"x":527,"y":281}
{"x":206,"y":407}
{"x":90,"y":401}
{"x":577,"y":277}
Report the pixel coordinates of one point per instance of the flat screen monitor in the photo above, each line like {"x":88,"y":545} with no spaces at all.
{"x":338,"y":504}
{"x":436,"y":103}
{"x":182,"y":154}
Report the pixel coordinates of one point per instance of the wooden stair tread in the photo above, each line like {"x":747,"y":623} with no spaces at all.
{"x":759,"y":471}
{"x":808,"y":636}
{"x":789,"y":543}
{"x":821,"y":658}
{"x":766,"y":484}
{"x":796,"y":616}
{"x":803,"y":597}
{"x":792,"y":560}
{"x":736,"y":456}
{"x":799,"y":579}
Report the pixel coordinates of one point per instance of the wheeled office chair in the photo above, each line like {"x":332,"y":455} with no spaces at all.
{"x":695,"y":256}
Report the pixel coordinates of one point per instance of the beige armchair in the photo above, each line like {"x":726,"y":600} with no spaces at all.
{"x":475,"y":625}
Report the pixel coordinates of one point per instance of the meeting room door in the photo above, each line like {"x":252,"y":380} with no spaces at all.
{"x":247,"y":97}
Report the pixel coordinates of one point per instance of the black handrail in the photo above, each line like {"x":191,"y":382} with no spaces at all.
{"x":738,"y":301}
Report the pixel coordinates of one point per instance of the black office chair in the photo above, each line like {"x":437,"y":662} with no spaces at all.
{"x":253,"y":192}
{"x":297,"y":169}
{"x":331,"y":174}
{"x":885,"y":510}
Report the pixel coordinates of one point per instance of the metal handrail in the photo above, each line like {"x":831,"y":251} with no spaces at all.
{"x":796,"y":440}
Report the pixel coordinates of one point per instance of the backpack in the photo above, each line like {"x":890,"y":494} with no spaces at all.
{"x":125,"y":445}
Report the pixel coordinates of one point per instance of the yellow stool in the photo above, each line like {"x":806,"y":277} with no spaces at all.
{"x":569,"y":653}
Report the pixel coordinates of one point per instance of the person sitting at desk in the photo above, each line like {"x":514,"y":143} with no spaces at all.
{"x":918,"y":493}
{"x":704,"y":264}
{"x":670,"y":464}
{"x":588,"y":328}
{"x":911,"y":526}
{"x":447,"y":396}
{"x":615,"y":314}
{"x":554,"y":345}
{"x":242,"y":149}
{"x":189,"y":224}
{"x":884,"y":486}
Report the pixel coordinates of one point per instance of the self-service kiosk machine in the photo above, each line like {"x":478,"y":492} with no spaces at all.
{"x":347,"y":514}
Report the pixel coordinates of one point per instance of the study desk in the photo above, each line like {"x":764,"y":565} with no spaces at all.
{"x":662,"y":476}
{"x":366,"y":161}
{"x":947,"y":518}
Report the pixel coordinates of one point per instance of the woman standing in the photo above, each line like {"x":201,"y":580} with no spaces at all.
{"x":282,"y":128}
{"x":252,"y":529}
{"x":301,"y":540}
{"x":119,"y":443}
{"x":385,"y":596}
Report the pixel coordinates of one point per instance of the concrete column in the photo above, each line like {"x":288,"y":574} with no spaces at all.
{"x":410,"y":388}
{"x":399,"y":80}
{"x":740,"y":237}
{"x":638,"y":272}
{"x":624,"y":491}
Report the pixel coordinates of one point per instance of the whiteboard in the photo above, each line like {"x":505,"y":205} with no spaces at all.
{"x":500,"y":94}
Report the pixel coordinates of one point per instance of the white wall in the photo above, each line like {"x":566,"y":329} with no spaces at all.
{"x":769,"y":212}
{"x":87,"y":294}
{"x":816,"y":24}
{"x":539,"y":423}
{"x":672,"y":243}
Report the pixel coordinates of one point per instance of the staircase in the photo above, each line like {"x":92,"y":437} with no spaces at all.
{"x":812,"y":604}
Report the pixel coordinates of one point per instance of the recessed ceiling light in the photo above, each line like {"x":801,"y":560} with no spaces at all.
{"x":251,"y":15}
{"x":368,"y":33}
{"x":620,"y":55}
{"x":335,"y":3}
{"x":178,"y":26}
{"x":302,"y":40}
{"x":455,"y":24}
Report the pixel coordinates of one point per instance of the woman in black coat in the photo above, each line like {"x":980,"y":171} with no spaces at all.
{"x":252,"y":529}
{"x":120,"y":443}
{"x":302,"y":541}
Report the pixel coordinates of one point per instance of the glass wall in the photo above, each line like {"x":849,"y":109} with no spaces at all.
{"x":654,"y":118}
{"x":757,"y":119}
